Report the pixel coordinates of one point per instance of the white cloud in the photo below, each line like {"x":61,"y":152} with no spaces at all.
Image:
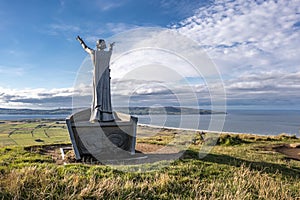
{"x":36,"y":98}
{"x":249,"y":33}
{"x":105,"y":5}
{"x":264,"y":88}
{"x":181,"y":8}
{"x":255,"y":45}
{"x":273,"y":88}
{"x":159,"y":48}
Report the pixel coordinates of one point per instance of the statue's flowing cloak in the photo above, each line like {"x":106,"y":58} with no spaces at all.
{"x":101,"y":106}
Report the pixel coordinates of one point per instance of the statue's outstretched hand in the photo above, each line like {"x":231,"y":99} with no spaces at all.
{"x":112,"y":44}
{"x":79,"y":38}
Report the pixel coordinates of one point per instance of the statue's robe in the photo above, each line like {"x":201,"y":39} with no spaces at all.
{"x":101,"y":106}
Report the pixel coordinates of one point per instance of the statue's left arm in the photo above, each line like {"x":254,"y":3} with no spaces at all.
{"x":111,"y":46}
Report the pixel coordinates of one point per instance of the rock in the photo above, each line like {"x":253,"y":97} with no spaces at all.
{"x":295,"y":145}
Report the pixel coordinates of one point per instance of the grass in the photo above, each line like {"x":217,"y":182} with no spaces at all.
{"x":236,"y":168}
{"x":33,"y":133}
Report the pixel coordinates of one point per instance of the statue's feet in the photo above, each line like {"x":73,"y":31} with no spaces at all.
{"x":94,"y":120}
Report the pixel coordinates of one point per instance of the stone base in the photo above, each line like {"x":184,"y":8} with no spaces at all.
{"x":102,"y":140}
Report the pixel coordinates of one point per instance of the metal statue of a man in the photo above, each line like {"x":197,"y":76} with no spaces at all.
{"x":101,"y":110}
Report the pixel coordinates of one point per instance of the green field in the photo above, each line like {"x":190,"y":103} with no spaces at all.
{"x":33,"y":133}
{"x":238,"y":167}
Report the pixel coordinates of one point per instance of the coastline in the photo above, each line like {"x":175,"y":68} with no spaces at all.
{"x":258,"y":122}
{"x":47,"y":131}
{"x":61,"y":119}
{"x":209,"y":131}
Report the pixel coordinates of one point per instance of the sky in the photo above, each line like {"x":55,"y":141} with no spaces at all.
{"x":254,"y":46}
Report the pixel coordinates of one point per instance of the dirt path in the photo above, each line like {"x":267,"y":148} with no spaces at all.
{"x":291,"y":151}
{"x":154,"y":152}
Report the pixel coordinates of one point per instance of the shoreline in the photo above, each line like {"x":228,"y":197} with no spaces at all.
{"x":209,"y":131}
{"x":264,"y":123}
{"x":286,"y":144}
{"x":62,"y":120}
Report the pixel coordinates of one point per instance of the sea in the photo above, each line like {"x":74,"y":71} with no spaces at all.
{"x":261,"y":122}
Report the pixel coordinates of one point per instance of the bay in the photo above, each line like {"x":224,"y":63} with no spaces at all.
{"x":262,"y":122}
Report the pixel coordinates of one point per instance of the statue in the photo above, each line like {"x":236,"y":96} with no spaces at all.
{"x":101,"y":110}
{"x":114,"y":134}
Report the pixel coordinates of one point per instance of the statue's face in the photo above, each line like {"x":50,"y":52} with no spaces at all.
{"x":101,"y":44}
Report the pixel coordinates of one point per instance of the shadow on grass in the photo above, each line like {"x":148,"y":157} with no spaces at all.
{"x":270,"y":168}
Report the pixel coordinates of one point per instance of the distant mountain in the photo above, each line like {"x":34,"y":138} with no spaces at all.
{"x":35,"y":112}
{"x":131,"y":110}
{"x":170,"y":110}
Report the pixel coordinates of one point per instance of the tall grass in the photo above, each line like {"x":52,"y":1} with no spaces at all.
{"x":49,"y":182}
{"x":235,"y":169}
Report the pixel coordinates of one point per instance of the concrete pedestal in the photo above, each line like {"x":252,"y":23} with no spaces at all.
{"x":102,"y":140}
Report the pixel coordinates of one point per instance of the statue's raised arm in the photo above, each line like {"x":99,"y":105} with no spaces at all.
{"x":111,"y":45}
{"x":84,"y":46}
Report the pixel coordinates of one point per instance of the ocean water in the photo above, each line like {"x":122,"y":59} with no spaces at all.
{"x":263,"y":122}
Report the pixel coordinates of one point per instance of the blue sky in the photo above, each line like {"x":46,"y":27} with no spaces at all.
{"x":38,"y":37}
{"x":254,"y":45}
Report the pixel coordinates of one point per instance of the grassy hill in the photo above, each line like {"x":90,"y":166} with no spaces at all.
{"x":238,"y":167}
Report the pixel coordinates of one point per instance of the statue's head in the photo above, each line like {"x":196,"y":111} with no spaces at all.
{"x":101,"y":44}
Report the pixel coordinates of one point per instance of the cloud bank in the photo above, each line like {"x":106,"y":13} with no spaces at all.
{"x":254,"y":44}
{"x":246,"y":35}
